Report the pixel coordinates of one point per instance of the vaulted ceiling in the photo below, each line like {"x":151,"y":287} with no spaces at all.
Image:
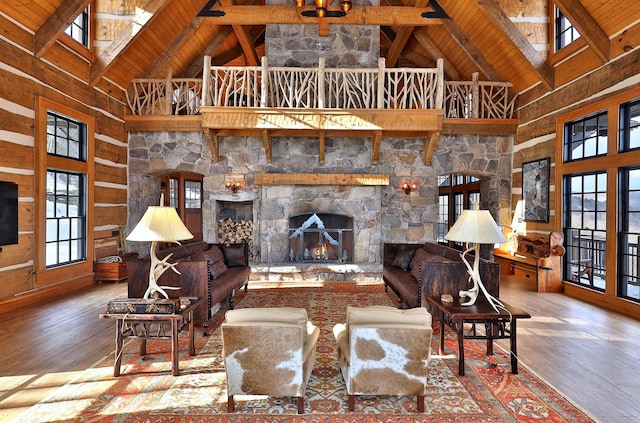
{"x":502,"y":40}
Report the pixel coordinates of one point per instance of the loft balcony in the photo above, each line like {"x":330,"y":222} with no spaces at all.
{"x":322,"y":102}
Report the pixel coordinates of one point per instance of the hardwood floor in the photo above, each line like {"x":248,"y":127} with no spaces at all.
{"x":590,"y":355}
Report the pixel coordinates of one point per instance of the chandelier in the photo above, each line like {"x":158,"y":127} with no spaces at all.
{"x":321,"y":6}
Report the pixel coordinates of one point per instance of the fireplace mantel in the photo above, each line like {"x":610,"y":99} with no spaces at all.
{"x":352,"y":179}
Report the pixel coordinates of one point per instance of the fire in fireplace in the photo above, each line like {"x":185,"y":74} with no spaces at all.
{"x":321,"y":237}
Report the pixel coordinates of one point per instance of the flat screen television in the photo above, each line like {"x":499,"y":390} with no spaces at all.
{"x":8,"y":213}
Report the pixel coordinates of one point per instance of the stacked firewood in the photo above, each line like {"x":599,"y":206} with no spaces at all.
{"x":230,"y":232}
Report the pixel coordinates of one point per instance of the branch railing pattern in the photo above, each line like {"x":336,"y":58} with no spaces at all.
{"x":322,"y":88}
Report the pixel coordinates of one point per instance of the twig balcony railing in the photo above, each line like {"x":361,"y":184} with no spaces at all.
{"x":322,"y":88}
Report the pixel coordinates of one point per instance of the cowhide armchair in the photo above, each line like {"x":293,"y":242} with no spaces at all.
{"x":268,"y":351}
{"x":384,"y":351}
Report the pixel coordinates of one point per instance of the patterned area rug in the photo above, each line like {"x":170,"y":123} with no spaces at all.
{"x":146,"y":391}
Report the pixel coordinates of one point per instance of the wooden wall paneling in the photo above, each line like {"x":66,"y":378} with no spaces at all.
{"x":52,"y":84}
{"x":106,"y":195}
{"x":573,"y":68}
{"x":116,"y":175}
{"x":19,"y":253}
{"x":540,"y":127}
{"x":112,"y":128}
{"x":108,"y":151}
{"x":13,"y":122}
{"x":15,"y":281}
{"x":21,"y":156}
{"x":26,"y":218}
{"x":116,"y":215}
{"x":16,"y":33}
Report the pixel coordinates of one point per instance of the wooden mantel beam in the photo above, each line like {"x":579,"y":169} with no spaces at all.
{"x":354,"y":179}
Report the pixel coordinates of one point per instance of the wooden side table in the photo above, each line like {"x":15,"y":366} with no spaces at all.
{"x":501,"y":325}
{"x":133,"y":325}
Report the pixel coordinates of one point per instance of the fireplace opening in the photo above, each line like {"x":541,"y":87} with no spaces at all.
{"x":321,"y":237}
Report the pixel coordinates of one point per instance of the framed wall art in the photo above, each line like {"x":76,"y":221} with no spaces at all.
{"x":535,"y":190}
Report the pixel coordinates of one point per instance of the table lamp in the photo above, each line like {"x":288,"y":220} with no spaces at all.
{"x":159,"y":224}
{"x":475,"y":227}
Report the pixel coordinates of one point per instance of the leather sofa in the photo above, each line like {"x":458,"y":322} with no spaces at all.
{"x":417,"y":271}
{"x":213,"y":271}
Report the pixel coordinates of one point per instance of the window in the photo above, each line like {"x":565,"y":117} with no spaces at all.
{"x":192,"y":190}
{"x":565,"y":32}
{"x":629,"y":240}
{"x":586,"y":137}
{"x":173,"y":193}
{"x":456,"y":193}
{"x":630,"y":126}
{"x":63,"y":235}
{"x":585,"y":228}
{"x":79,"y":28}
{"x":66,"y":223}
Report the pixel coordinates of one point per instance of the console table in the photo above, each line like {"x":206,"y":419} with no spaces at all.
{"x":501,"y":325}
{"x":138,"y":326}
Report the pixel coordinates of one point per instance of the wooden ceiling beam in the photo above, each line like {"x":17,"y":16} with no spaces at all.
{"x":430,"y":146}
{"x":377,"y":141}
{"x":266,"y":139}
{"x":358,"y":15}
{"x":56,"y":24}
{"x":401,"y":38}
{"x":432,"y":49}
{"x":158,"y":68}
{"x":471,"y":50}
{"x":244,"y":38}
{"x":587,"y":27}
{"x":545,"y":72}
{"x":133,"y":29}
{"x":195,"y":68}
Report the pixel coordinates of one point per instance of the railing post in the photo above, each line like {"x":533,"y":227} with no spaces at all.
{"x":206,"y":81}
{"x":168,"y":93}
{"x":440,"y":84}
{"x":320,"y":85}
{"x":381,"y":71}
{"x":475,"y":95}
{"x":264,"y":88}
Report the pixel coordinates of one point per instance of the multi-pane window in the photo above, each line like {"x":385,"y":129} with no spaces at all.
{"x":565,"y":32}
{"x":456,"y":193}
{"x":585,"y":228}
{"x":630,"y":126}
{"x":586,"y":137}
{"x":629,"y":239}
{"x":173,"y":193}
{"x":65,"y":137}
{"x":65,"y":239}
{"x":192,"y":190}
{"x":65,"y":223}
{"x":79,"y":28}
{"x":443,"y":217}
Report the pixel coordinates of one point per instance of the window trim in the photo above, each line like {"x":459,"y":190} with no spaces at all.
{"x":567,"y":51}
{"x":86,"y":52}
{"x":47,"y":276}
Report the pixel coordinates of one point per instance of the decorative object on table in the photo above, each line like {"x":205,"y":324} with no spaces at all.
{"x":535,"y":190}
{"x":159,"y":224}
{"x":475,"y":227}
{"x":143,"y":306}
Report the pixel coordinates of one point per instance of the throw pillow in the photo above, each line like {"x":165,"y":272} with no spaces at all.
{"x":402,"y":259}
{"x":216,"y":269}
{"x":416,"y":262}
{"x":234,"y":255}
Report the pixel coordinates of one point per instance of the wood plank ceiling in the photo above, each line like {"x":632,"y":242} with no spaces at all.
{"x":503,"y":40}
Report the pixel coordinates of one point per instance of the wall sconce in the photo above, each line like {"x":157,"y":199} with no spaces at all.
{"x":407,"y":188}
{"x":345,"y":5}
{"x":233,"y":186}
{"x":321,"y":8}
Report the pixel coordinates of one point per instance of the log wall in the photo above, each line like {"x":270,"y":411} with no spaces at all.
{"x":61,"y":76}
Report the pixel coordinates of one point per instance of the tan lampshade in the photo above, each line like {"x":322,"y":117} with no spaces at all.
{"x":160,"y":223}
{"x":475,"y":226}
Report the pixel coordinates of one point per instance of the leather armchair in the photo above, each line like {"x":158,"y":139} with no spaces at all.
{"x":384,"y":351}
{"x":268,"y":351}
